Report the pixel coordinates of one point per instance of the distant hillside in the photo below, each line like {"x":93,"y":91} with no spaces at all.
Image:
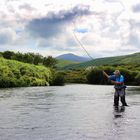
{"x":72,"y":57}
{"x":126,"y":59}
{"x":62,"y":63}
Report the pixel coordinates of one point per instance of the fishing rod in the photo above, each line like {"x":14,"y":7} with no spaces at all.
{"x":79,"y":42}
{"x":81,"y":45}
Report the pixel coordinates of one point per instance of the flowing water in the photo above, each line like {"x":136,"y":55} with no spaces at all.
{"x":71,"y":112}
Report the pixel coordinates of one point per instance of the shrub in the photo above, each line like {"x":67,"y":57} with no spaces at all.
{"x":59,"y":79}
{"x":137,"y":79}
{"x":15,"y":74}
{"x":95,"y":76}
{"x":74,"y":76}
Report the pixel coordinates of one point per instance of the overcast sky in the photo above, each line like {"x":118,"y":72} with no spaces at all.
{"x":104,"y":27}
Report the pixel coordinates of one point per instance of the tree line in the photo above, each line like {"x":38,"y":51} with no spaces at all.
{"x":31,"y":58}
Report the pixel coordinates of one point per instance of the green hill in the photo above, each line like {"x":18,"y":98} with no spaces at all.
{"x":62,"y":63}
{"x":118,"y":60}
{"x":17,"y":74}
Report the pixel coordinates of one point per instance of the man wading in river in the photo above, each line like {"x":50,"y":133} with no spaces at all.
{"x":118,"y":80}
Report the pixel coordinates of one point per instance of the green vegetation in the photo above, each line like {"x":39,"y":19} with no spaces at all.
{"x":17,"y":74}
{"x":62,"y":63}
{"x":49,"y":61}
{"x":36,"y":70}
{"x":94,"y":75}
{"x":137,"y":78}
{"x":59,"y":79}
{"x":129,"y":65}
{"x":30,"y":58}
{"x":75,"y":76}
{"x":118,"y":60}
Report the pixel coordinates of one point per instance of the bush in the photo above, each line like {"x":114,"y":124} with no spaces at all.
{"x":75,"y":76}
{"x":59,"y":79}
{"x":137,"y":79}
{"x":108,"y":69}
{"x":16,"y":74}
{"x":95,"y":76}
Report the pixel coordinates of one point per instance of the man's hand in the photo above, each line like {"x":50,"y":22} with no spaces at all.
{"x":113,"y":82}
{"x":117,"y":83}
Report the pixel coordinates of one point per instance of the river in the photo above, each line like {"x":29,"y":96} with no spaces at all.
{"x":71,"y":112}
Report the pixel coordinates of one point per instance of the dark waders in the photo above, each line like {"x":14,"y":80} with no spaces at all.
{"x":119,"y":93}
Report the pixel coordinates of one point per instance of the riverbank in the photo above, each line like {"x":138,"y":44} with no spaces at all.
{"x":19,"y":74}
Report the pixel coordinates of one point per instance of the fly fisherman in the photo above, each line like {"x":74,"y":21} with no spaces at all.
{"x":118,"y":80}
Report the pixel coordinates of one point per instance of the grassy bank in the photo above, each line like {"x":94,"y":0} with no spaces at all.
{"x":17,"y":74}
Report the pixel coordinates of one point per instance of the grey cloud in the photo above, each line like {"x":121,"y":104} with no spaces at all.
{"x":136,"y":8}
{"x":111,"y":1}
{"x":133,"y":38}
{"x":55,"y":23}
{"x":5,"y":38}
{"x":48,"y":5}
{"x":109,"y":24}
{"x":110,"y":27}
{"x":11,"y":9}
{"x":26,"y":7}
{"x":11,"y":0}
{"x":133,"y":41}
{"x":7,"y":1}
{"x":59,"y":46}
{"x":71,"y":42}
{"x":134,"y":24}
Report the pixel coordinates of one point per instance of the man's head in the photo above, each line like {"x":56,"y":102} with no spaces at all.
{"x":116,"y":72}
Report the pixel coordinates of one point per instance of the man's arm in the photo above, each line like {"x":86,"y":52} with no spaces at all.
{"x":105,"y":74}
{"x":112,"y":81}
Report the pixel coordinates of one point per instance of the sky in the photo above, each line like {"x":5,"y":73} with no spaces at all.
{"x":104,"y":27}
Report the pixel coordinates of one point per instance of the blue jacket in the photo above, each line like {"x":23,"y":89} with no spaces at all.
{"x":118,"y":79}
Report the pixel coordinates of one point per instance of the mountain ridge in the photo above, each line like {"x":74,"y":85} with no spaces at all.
{"x":72,"y":57}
